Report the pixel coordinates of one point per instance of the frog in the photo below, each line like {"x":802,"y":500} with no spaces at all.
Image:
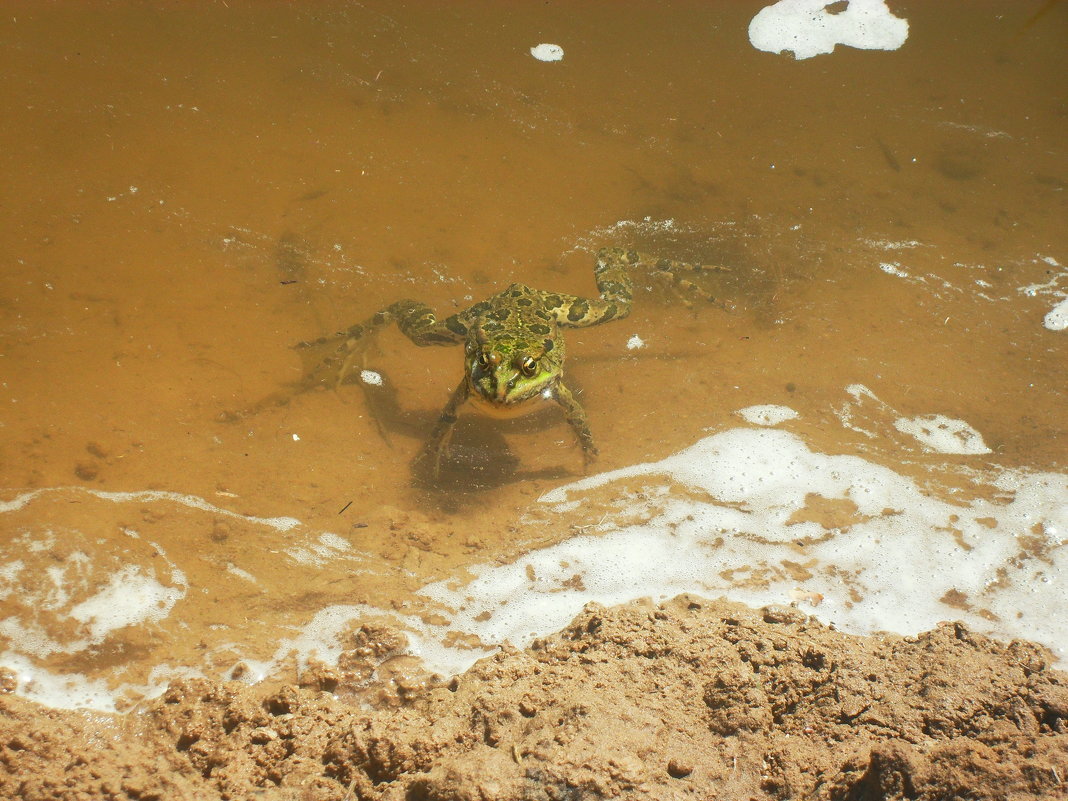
{"x":513,"y":343}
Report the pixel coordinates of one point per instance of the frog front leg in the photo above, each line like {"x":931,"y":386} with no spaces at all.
{"x":328,"y":361}
{"x":437,"y":446}
{"x":576,"y":418}
{"x":415,"y":320}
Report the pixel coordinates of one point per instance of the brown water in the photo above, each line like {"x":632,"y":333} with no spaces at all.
{"x":190,"y":189}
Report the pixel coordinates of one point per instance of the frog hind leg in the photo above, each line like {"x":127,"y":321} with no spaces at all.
{"x":616,"y":287}
{"x":614,"y":273}
{"x":682,"y":279}
{"x":576,"y":418}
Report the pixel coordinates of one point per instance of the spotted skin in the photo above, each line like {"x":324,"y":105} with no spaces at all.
{"x":513,"y":349}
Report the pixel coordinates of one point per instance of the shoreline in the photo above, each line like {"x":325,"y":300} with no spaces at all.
{"x":688,"y":699}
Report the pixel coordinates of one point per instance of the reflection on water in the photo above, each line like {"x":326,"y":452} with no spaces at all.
{"x":189,"y":192}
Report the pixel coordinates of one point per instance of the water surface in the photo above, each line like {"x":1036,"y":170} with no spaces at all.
{"x":191,"y":190}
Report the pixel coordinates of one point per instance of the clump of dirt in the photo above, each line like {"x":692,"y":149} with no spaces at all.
{"x":692,"y":699}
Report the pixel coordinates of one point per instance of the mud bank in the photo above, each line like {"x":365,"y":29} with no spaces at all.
{"x":692,"y":699}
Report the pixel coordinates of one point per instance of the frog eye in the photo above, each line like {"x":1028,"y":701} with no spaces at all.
{"x":528,"y":366}
{"x":483,"y":360}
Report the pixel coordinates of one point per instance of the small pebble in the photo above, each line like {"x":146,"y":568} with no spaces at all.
{"x":678,"y":768}
{"x":262,"y":734}
{"x":86,"y":471}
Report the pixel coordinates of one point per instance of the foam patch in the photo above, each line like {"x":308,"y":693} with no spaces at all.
{"x":763,"y":519}
{"x":1057,"y":317}
{"x":547,"y":52}
{"x":766,"y":414}
{"x":131,"y":596}
{"x":943,"y":434}
{"x":83,"y":571}
{"x":752,"y":514}
{"x":809,"y":28}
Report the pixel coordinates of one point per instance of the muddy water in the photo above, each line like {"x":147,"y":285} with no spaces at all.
{"x":188,"y":191}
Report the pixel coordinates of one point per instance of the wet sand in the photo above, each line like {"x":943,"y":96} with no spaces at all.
{"x":694,"y":699}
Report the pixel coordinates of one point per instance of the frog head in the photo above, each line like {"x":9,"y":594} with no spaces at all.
{"x":505,"y":369}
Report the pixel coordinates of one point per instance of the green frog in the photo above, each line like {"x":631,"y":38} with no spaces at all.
{"x":513,"y":345}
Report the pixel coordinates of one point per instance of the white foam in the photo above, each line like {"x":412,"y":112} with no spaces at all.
{"x":131,"y":596}
{"x":59,"y":691}
{"x":32,"y":638}
{"x":635,"y":342}
{"x":547,"y":52}
{"x":319,"y":639}
{"x":317,"y":552}
{"x":890,"y":244}
{"x":240,"y":573}
{"x":371,"y":377}
{"x":943,"y":434}
{"x":19,"y":501}
{"x":753,"y":514}
{"x":808,"y":29}
{"x":1057,"y":318}
{"x":766,"y":414}
{"x":192,"y":501}
{"x":9,"y":574}
{"x":77,"y":596}
{"x":334,"y":542}
{"x":882,"y":563}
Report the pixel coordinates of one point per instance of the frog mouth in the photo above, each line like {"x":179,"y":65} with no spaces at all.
{"x":508,"y":408}
{"x":496,"y":400}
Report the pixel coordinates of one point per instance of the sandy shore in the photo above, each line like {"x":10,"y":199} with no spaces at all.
{"x":692,"y":699}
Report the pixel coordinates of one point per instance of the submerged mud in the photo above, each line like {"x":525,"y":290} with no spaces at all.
{"x":691,"y":699}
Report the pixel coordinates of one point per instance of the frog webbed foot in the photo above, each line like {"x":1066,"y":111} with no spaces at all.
{"x":688,"y":283}
{"x":330,"y":361}
{"x":430,"y":458}
{"x":589,"y":458}
{"x":271,"y":401}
